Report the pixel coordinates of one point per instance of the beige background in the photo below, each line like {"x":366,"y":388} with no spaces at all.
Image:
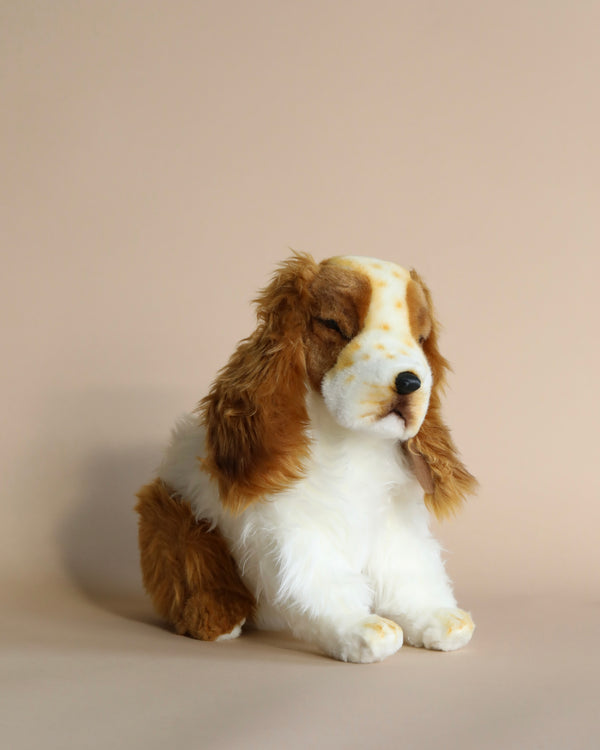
{"x":157,"y":161}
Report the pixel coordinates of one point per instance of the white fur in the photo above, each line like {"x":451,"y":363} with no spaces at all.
{"x":343,"y":557}
{"x":233,"y":633}
{"x":349,"y":541}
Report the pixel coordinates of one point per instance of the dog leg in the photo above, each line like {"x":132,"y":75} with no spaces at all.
{"x":187,"y":568}
{"x":319,"y":594}
{"x":411,"y":585}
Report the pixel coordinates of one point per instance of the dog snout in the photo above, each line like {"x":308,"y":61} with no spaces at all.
{"x":407,"y":382}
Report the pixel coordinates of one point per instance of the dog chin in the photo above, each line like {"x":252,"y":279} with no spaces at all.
{"x":391,"y":426}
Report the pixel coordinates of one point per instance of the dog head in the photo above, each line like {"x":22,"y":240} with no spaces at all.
{"x":363,"y":334}
{"x":370,"y":321}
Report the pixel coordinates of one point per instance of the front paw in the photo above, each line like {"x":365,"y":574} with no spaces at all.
{"x":370,"y":640}
{"x":447,"y":630}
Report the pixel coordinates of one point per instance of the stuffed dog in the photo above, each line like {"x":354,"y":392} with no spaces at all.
{"x":297,"y":496}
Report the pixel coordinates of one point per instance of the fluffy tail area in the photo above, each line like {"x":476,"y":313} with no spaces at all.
{"x":187,"y":568}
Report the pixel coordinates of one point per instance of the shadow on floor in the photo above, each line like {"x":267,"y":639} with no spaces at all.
{"x":99,"y":537}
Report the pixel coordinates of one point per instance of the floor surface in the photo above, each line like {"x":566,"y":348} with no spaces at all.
{"x":85,"y":674}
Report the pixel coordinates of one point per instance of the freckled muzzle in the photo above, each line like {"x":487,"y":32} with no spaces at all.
{"x":386,"y":396}
{"x":401,"y":403}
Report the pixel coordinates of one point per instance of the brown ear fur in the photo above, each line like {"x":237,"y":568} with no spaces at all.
{"x":451,"y":480}
{"x":255,"y":412}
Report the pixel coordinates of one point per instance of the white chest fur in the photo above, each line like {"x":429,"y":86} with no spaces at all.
{"x":316,"y":542}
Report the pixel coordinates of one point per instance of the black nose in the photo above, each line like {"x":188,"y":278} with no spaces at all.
{"x":407,"y":382}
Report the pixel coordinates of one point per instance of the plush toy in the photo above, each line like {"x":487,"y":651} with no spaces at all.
{"x":297,"y":496}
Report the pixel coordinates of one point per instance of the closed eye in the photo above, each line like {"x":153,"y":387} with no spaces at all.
{"x":333,"y":325}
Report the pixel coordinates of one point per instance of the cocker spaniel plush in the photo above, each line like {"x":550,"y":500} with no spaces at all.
{"x":297,"y":495}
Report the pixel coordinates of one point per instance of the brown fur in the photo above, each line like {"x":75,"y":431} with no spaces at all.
{"x":451,"y":480}
{"x":255,"y":412}
{"x":420,"y":315}
{"x":187,"y":568}
{"x":341,"y":295}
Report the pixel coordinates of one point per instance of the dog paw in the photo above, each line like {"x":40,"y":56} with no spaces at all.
{"x":447,"y":630}
{"x":370,"y":640}
{"x":232,"y":633}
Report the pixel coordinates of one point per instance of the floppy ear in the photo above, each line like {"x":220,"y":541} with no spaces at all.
{"x":432,"y":451}
{"x":255,"y":412}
